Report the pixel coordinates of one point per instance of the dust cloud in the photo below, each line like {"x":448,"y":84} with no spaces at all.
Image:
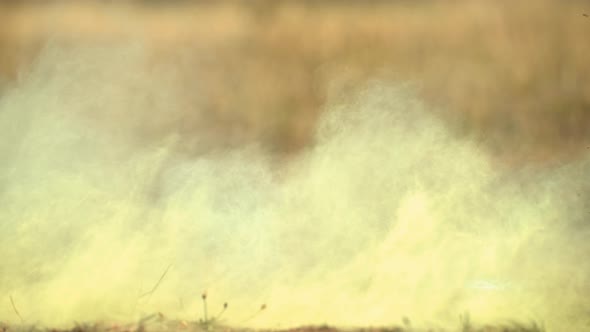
{"x":388,"y":215}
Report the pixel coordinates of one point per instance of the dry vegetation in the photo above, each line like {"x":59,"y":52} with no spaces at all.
{"x":161,"y":324}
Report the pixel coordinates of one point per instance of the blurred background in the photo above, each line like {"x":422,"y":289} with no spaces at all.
{"x":513,"y":75}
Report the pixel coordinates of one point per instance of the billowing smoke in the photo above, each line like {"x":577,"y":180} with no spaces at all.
{"x":387,"y":215}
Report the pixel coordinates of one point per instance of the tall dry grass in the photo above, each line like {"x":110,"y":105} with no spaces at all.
{"x":513,"y":74}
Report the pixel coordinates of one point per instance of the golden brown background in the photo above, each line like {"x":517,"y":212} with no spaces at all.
{"x":514,"y":75}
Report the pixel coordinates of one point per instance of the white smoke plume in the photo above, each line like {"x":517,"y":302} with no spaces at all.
{"x":387,"y":215}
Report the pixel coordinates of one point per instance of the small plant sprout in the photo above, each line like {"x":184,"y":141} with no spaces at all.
{"x":262,"y":308}
{"x":15,"y":309}
{"x":222,"y":311}
{"x":207,"y":322}
{"x":204,"y":297}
